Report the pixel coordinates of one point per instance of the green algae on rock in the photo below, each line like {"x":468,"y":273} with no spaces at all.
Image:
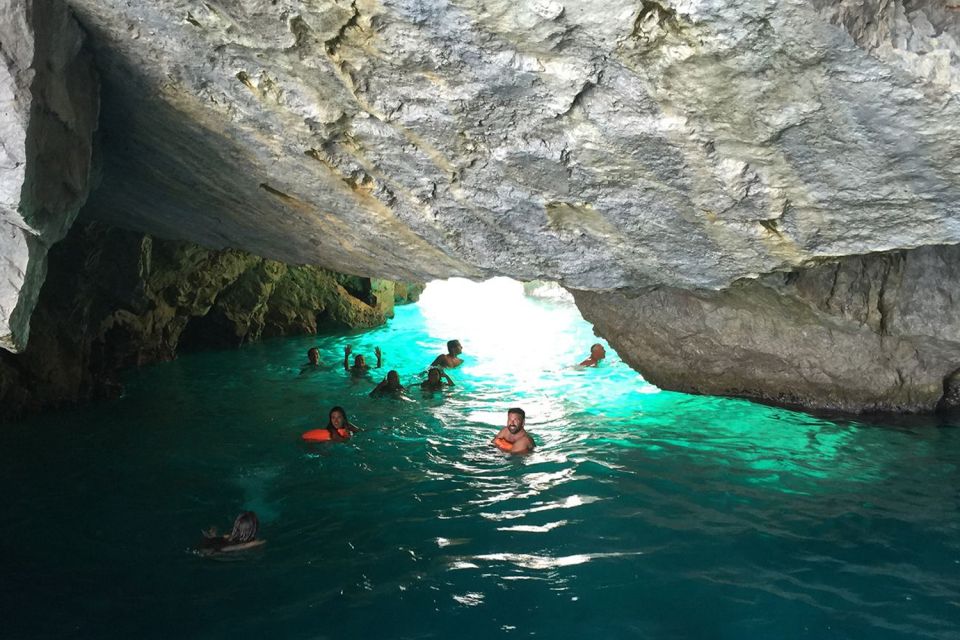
{"x":116,"y":299}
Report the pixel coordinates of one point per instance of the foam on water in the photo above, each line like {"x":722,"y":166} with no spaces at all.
{"x":641,"y":514}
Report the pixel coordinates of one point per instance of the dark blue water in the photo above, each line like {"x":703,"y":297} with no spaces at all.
{"x":643,"y":514}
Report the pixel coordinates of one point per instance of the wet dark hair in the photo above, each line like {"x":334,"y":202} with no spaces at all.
{"x":451,"y":344}
{"x":519,"y":412}
{"x":330,"y":416}
{"x":245,"y":528}
{"x":434,"y":370}
{"x":394,"y":374}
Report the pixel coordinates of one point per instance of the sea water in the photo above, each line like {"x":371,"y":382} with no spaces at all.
{"x":642,"y":513}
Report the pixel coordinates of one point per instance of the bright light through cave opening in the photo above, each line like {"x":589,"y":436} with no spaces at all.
{"x":504,"y":329}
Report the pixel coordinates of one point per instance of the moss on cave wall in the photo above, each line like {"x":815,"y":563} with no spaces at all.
{"x":116,"y":299}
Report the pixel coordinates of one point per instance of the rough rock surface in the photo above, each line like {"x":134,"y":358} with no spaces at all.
{"x":49,"y":99}
{"x":600,"y":144}
{"x":871,"y":333}
{"x":115,"y":299}
{"x":615,"y":144}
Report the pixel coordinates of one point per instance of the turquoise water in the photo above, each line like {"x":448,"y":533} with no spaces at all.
{"x":643,"y":514}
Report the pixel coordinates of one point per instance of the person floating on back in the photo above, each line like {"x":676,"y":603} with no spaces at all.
{"x":434,"y":381}
{"x":243,"y":536}
{"x":513,"y":438}
{"x":389,"y":386}
{"x":450,"y":359}
{"x":597,"y":353}
{"x":359,"y":368}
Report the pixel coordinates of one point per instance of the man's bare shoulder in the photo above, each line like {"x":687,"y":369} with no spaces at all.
{"x":524,"y":444}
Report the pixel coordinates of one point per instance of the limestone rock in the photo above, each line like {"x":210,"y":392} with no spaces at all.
{"x":49,"y":100}
{"x":546,"y":290}
{"x":685,"y":150}
{"x":603,"y":145}
{"x":871,"y":333}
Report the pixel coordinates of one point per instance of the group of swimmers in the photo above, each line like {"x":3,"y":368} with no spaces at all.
{"x":512,"y":438}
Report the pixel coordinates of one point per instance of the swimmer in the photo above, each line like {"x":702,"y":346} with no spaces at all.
{"x":513,"y":438}
{"x":313,"y":360}
{"x":337,"y":424}
{"x":433,"y":381}
{"x":449,"y":360}
{"x":389,"y":385}
{"x":597,"y":353}
{"x":359,"y":367}
{"x":243,"y":536}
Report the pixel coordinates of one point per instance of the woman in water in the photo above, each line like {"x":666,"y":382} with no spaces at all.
{"x":389,"y":386}
{"x":339,"y":426}
{"x":243,"y":536}
{"x":434,"y":381}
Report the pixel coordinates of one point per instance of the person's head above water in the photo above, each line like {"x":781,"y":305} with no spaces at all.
{"x":433,"y":375}
{"x":313,"y":355}
{"x":245,"y":528}
{"x":597,"y":353}
{"x":393,"y":378}
{"x":359,"y":361}
{"x":516,"y":417}
{"x":338,"y":418}
{"x":454,"y":348}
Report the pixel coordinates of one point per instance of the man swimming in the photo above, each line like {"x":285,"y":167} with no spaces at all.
{"x":513,"y":438}
{"x":449,"y":360}
{"x":597,"y":353}
{"x":313,"y":360}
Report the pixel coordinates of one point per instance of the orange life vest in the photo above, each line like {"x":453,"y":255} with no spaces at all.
{"x":322,"y":435}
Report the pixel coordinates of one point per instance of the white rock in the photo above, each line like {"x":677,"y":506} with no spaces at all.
{"x":49,"y":99}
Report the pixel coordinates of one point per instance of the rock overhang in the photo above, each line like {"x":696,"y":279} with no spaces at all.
{"x":690,"y":146}
{"x":599,"y":144}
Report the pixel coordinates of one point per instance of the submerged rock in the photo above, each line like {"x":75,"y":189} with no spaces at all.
{"x":871,"y":333}
{"x":115,"y":299}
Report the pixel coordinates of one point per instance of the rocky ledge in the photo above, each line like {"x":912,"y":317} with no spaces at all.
{"x":870,"y":333}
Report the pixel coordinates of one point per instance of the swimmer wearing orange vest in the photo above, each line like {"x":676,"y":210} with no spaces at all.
{"x":338,"y":428}
{"x":513,"y":438}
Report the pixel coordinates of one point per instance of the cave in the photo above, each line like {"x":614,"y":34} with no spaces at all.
{"x":752,"y":205}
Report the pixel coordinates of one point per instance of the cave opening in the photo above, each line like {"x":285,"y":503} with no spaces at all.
{"x":508,"y":325}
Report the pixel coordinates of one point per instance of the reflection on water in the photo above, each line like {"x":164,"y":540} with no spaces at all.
{"x":641,"y":514}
